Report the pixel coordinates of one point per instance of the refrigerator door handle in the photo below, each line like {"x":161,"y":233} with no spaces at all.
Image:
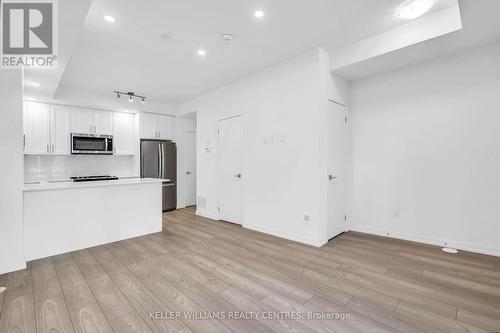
{"x":159,"y":161}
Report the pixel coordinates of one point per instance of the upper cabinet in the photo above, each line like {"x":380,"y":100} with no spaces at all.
{"x":46,"y":129}
{"x":81,"y":121}
{"x":103,"y":122}
{"x":60,"y":125}
{"x":155,"y":126}
{"x":147,"y":123}
{"x":85,"y":121}
{"x":36,"y":128}
{"x":123,"y":134}
{"x":164,"y":126}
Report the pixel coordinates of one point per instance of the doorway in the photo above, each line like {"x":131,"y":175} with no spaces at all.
{"x":190,"y":168}
{"x":229,"y":174}
{"x":337,"y":169}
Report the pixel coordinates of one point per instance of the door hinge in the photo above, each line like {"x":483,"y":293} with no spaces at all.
{"x":345,"y":120}
{"x":345,"y":217}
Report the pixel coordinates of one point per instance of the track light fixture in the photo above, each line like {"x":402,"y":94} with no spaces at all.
{"x":131,"y":95}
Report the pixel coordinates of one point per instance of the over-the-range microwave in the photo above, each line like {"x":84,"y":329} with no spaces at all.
{"x":91,"y":144}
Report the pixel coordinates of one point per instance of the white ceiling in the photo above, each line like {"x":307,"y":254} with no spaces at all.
{"x":130,"y":56}
{"x":481,"y":25}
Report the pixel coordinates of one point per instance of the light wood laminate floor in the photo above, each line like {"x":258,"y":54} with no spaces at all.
{"x":199,"y":266}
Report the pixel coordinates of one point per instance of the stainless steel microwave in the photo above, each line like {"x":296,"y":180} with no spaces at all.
{"x":91,"y":144}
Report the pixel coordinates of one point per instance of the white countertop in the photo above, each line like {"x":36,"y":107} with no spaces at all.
{"x":69,"y":184}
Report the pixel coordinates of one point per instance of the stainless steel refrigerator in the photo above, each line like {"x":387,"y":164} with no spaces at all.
{"x":159,"y":160}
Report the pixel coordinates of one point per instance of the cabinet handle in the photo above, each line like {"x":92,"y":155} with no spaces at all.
{"x":24,"y":141}
{"x":48,"y":149}
{"x":53,"y":150}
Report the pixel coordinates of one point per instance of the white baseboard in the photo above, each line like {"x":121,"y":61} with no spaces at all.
{"x":207,"y":215}
{"x":430,"y":240}
{"x":293,"y":237}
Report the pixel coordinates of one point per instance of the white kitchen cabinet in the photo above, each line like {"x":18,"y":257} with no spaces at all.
{"x":147,"y":123}
{"x":85,"y":121}
{"x":81,"y":121}
{"x":154,"y":126}
{"x":123,"y":134}
{"x":60,"y":128}
{"x":103,"y":122}
{"x":36,"y":128}
{"x":164,"y":127}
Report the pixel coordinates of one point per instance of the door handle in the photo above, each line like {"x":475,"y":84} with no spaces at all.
{"x":332,"y":177}
{"x":188,"y":173}
{"x":237,"y":175}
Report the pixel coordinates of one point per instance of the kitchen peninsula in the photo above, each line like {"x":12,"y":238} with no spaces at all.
{"x":65,"y":216}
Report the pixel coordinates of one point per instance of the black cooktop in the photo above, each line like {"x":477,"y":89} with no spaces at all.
{"x":93,"y":178}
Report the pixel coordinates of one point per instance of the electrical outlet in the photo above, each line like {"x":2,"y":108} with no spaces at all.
{"x":307,"y":218}
{"x":395,"y":212}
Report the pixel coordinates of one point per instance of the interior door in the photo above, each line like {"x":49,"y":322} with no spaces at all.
{"x":229,"y":175}
{"x":337,"y":169}
{"x":190,"y":168}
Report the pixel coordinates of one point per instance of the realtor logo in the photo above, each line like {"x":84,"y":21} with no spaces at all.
{"x":29,"y":33}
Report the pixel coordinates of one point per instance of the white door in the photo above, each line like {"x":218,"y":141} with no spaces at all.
{"x":336,"y":163}
{"x":60,"y":130}
{"x":164,"y":127}
{"x":37,"y":128}
{"x":229,"y":174}
{"x":123,"y":133}
{"x":190,"y":167}
{"x":103,"y":122}
{"x":81,"y":121}
{"x":147,"y":123}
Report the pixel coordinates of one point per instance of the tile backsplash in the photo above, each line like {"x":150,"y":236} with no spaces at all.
{"x":42,"y":167}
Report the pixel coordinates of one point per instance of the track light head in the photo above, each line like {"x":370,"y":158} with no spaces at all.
{"x":143,"y":100}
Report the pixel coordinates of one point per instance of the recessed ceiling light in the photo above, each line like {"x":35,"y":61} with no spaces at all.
{"x":259,"y":13}
{"x":414,"y":8}
{"x":202,"y":53}
{"x":227,"y":37}
{"x":35,"y":84}
{"x":110,"y":19}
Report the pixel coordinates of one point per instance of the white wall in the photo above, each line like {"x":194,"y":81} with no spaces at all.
{"x":426,"y":140}
{"x":280,"y":180}
{"x":11,"y":172}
